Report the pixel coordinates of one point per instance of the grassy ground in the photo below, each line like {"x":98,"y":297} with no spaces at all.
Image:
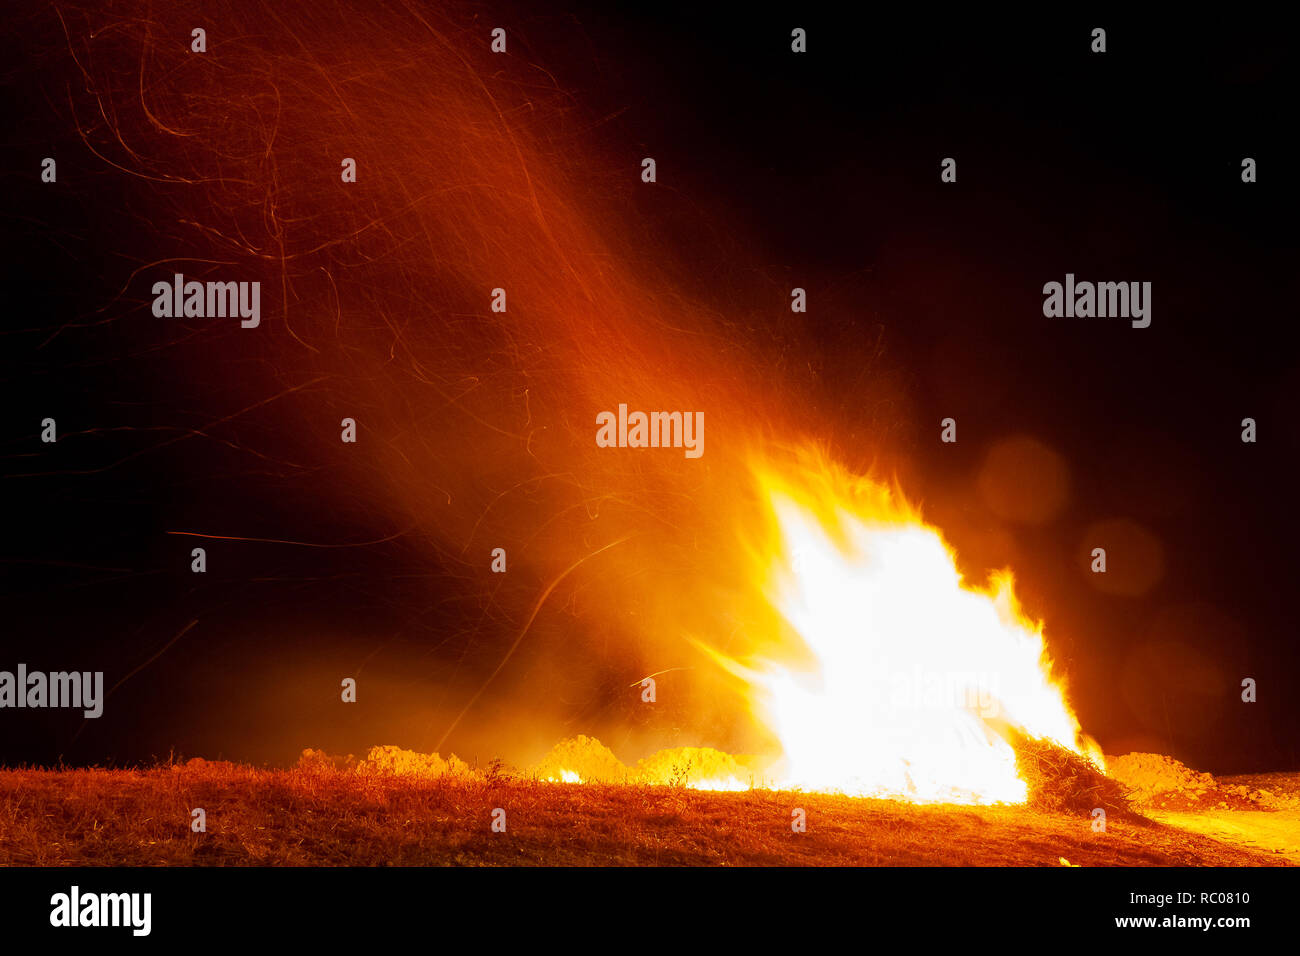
{"x":337,"y":817}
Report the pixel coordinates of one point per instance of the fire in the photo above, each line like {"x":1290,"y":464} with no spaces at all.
{"x":911,"y":680}
{"x":720,"y":783}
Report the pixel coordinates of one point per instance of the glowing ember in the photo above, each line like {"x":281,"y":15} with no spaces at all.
{"x":912,"y":680}
{"x":730,"y":783}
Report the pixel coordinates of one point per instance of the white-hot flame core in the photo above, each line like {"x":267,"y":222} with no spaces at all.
{"x":913,"y":673}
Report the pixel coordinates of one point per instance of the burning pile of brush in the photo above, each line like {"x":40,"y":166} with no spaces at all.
{"x":1062,"y":781}
{"x":1058,"y":780}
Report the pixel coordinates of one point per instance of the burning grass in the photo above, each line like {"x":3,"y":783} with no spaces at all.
{"x":584,"y":759}
{"x":327,"y":814}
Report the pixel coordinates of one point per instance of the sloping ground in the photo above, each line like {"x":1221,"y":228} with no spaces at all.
{"x":328,"y":815}
{"x":1274,"y":830}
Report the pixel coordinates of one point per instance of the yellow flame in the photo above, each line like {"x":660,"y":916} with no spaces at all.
{"x":720,"y":783}
{"x":566,"y":776}
{"x":911,"y":678}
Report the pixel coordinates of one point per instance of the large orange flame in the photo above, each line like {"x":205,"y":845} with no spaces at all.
{"x":911,"y":681}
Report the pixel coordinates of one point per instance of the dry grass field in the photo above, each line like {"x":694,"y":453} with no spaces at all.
{"x":314,"y":816}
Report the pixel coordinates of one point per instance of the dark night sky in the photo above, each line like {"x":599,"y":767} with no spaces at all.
{"x":776,"y":171}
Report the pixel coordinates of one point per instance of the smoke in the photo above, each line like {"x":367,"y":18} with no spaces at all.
{"x":475,"y":172}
